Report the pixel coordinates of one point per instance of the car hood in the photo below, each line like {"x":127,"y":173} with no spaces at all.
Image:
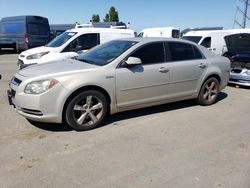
{"x":38,"y":50}
{"x":238,"y":43}
{"x":57,"y":67}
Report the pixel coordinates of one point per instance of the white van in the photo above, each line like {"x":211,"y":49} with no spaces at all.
{"x":213,"y":39}
{"x":168,"y":32}
{"x":70,"y":43}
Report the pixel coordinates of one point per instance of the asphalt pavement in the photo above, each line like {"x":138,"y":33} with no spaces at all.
{"x":176,"y":145}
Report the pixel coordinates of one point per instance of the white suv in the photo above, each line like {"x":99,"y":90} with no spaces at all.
{"x":70,"y":43}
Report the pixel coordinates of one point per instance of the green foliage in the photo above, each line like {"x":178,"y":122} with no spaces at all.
{"x":95,"y":18}
{"x":113,"y":15}
{"x":106,"y":19}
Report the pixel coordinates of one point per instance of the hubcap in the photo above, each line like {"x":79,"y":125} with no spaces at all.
{"x":88,"y":110}
{"x":210,"y":91}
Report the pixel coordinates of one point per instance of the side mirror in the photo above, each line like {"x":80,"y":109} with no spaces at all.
{"x":133,"y":61}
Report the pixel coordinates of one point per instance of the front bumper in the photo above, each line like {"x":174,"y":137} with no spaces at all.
{"x":239,"y":77}
{"x":45,"y":107}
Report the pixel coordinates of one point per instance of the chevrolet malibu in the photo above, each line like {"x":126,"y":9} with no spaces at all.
{"x":117,"y":76}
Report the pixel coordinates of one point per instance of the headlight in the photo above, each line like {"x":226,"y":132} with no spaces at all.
{"x":36,"y":56}
{"x":39,"y":87}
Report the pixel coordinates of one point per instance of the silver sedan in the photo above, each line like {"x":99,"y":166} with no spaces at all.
{"x":117,"y":76}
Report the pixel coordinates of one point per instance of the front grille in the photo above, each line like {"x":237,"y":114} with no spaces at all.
{"x":16,"y":81}
{"x":32,"y":112}
{"x":236,"y":70}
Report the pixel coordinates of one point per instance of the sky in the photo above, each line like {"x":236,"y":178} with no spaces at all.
{"x":140,"y":13}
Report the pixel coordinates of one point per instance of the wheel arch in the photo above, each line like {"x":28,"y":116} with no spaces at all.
{"x":212,"y":75}
{"x":86,"y":88}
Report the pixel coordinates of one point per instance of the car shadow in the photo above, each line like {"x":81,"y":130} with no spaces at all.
{"x":156,"y":109}
{"x":54,"y":127}
{"x":63,"y":127}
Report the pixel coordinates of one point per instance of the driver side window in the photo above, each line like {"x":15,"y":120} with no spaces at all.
{"x":206,"y":42}
{"x":83,"y":42}
{"x":151,"y":53}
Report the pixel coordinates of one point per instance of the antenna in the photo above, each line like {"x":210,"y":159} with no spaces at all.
{"x":242,"y":12}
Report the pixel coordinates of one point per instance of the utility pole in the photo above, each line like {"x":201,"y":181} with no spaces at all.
{"x":243,"y":14}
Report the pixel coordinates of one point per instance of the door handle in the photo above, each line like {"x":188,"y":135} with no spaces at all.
{"x":163,"y":69}
{"x":202,"y":65}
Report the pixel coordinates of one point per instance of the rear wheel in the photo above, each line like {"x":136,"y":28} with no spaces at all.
{"x":86,"y":110}
{"x":209,"y":92}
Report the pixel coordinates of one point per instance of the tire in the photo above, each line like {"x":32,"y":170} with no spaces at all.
{"x":17,"y":48}
{"x":86,"y":110}
{"x":209,"y":92}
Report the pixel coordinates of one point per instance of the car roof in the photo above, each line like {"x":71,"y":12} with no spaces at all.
{"x":96,"y":29}
{"x":156,"y":39}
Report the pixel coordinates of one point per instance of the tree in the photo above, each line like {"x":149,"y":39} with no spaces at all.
{"x":113,"y":15}
{"x":96,"y":18}
{"x":106,"y":19}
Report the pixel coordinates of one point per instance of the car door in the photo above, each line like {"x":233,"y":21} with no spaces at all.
{"x":83,"y":43}
{"x":146,"y":82}
{"x":187,"y":68}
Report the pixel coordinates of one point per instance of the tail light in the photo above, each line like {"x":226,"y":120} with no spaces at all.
{"x":26,"y":39}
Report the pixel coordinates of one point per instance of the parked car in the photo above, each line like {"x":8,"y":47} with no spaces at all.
{"x":117,"y":76}
{"x":23,"y":32}
{"x":238,"y":46}
{"x":213,"y":39}
{"x":168,"y":32}
{"x":70,"y":43}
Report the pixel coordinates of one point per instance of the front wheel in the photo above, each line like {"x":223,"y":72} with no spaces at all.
{"x":209,"y":92}
{"x":86,"y":110}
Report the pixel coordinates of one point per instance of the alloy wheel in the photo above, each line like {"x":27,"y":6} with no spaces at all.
{"x":88,"y":110}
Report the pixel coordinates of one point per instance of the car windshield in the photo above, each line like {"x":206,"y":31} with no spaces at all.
{"x":195,"y":39}
{"x":61,"y":39}
{"x":105,"y":53}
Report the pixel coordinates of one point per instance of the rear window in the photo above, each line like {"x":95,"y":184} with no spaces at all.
{"x":182,"y":51}
{"x":37,"y":29}
{"x":13,"y":27}
{"x":195,"y":39}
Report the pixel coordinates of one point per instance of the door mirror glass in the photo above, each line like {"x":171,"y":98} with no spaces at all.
{"x":133,"y":61}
